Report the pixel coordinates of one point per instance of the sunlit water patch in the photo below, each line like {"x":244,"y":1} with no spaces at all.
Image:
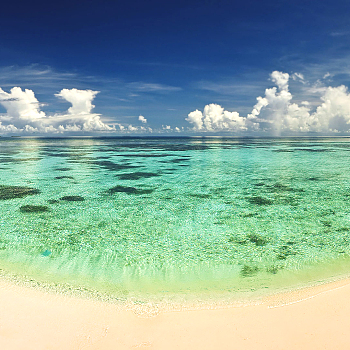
{"x":163,"y":217}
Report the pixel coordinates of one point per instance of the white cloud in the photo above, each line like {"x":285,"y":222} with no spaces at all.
{"x":80,"y":100}
{"x":23,"y":113}
{"x":80,"y":113}
{"x":142,"y":119}
{"x":276,"y":112}
{"x":21,"y":105}
{"x":334,"y":113}
{"x":215,"y":118}
{"x":7,"y":128}
{"x":280,"y":79}
{"x":298,"y":76}
{"x":129,"y":128}
{"x":262,"y":102}
{"x":196,"y":119}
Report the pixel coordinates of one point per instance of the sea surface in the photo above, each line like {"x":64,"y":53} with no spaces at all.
{"x":146,"y":217}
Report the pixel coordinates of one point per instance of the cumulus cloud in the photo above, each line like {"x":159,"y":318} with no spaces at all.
{"x":196,"y":118}
{"x":23,"y":113}
{"x":280,"y":79}
{"x":142,"y":119}
{"x":276,"y":113}
{"x":7,"y":128}
{"x":80,"y":100}
{"x":334,"y":113}
{"x":21,"y":105}
{"x":215,"y":118}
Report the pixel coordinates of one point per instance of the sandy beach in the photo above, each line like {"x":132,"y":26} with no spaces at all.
{"x":312,"y":318}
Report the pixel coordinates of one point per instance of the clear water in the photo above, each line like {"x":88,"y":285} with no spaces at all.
{"x":169,"y":216}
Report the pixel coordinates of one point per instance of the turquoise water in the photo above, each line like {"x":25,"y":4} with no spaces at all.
{"x":156,"y":216}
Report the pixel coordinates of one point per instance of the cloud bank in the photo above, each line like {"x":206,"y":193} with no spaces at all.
{"x":23,"y":113}
{"x":275,"y":113}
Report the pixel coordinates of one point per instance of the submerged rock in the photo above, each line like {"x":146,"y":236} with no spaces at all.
{"x":72,"y":198}
{"x":10,"y":192}
{"x":33,"y":208}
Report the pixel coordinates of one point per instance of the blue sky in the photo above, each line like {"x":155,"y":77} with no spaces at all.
{"x":166,"y":59}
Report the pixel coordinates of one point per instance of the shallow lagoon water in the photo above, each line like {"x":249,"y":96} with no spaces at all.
{"x":175,"y":216}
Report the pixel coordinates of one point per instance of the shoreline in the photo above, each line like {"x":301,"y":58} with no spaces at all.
{"x":307,"y":318}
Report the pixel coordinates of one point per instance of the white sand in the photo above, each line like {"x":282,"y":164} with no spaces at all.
{"x":314,"y":319}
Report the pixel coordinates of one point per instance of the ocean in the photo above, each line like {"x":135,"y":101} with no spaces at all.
{"x":145,"y":218}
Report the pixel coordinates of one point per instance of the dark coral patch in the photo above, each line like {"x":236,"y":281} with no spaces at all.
{"x":33,"y":208}
{"x":258,"y":240}
{"x":137,"y":175}
{"x":107,"y":164}
{"x":248,"y":271}
{"x":282,"y":150}
{"x":58,"y":154}
{"x":249,"y":215}
{"x":274,"y":269}
{"x":313,"y":149}
{"x":129,"y":190}
{"x":284,"y":251}
{"x":238,"y":239}
{"x":288,"y":201}
{"x":178,"y":160}
{"x":260,"y":200}
{"x":278,"y":187}
{"x":10,"y":192}
{"x":200,"y":195}
{"x":63,"y":169}
{"x":72,"y":198}
{"x":147,"y":155}
{"x":17,"y":160}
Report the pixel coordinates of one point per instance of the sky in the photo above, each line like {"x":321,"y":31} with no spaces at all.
{"x":206,"y":67}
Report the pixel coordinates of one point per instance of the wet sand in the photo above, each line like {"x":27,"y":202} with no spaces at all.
{"x":312,"y":318}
